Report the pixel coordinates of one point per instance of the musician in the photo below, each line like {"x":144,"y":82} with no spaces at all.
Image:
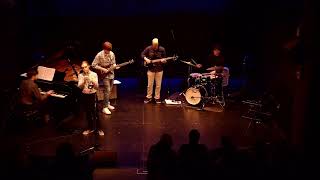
{"x":215,"y":66}
{"x":30,"y":97}
{"x":155,"y":70}
{"x":103,"y":60}
{"x":215,"y":60}
{"x":88,"y":83}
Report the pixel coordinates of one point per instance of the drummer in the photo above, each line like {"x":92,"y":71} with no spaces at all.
{"x":215,"y":66}
{"x":215,"y":61}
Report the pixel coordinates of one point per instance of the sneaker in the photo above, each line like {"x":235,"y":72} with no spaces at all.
{"x":111,"y":107}
{"x":86,"y":132}
{"x":101,"y":133}
{"x":147,"y":100}
{"x":106,"y":111}
{"x":158,"y":101}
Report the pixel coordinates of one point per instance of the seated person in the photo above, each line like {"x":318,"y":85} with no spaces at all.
{"x":215,"y":60}
{"x":30,"y":97}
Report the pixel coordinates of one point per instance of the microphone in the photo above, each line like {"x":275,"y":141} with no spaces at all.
{"x":172,"y":34}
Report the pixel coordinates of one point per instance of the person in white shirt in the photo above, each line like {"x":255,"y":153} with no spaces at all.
{"x":88,"y":83}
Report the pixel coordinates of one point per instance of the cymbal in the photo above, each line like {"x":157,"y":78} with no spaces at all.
{"x":215,"y":68}
{"x":211,"y":69}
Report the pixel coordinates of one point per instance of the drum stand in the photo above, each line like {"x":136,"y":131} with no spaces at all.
{"x":215,"y":99}
{"x":190,"y":65}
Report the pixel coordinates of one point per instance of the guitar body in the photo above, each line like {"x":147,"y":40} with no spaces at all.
{"x":101,"y":74}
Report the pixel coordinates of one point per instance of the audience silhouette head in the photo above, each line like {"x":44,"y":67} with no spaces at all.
{"x":194,"y":136}
{"x":166,"y":140}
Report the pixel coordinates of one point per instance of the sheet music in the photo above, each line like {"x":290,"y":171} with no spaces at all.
{"x":46,"y":73}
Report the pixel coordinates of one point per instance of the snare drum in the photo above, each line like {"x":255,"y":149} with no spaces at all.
{"x":205,"y":79}
{"x":194,"y":78}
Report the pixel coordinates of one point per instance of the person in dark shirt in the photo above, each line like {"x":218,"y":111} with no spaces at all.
{"x":193,"y":158}
{"x":155,"y":70}
{"x":30,"y":97}
{"x":161,"y":163}
{"x":215,"y":66}
{"x":215,"y":60}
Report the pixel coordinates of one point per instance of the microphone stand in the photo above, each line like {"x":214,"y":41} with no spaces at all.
{"x":73,"y":69}
{"x":190,"y":65}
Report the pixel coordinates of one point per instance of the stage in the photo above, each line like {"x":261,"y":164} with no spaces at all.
{"x":134,"y":126}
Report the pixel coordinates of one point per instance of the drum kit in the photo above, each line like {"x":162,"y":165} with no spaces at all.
{"x":207,"y":88}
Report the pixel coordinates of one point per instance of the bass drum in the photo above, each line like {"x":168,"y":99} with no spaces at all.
{"x":194,"y":95}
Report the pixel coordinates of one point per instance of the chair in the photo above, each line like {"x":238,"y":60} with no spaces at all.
{"x":225,"y":75}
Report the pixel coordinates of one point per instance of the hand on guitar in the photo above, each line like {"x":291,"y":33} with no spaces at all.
{"x":106,"y":70}
{"x":148,"y":61}
{"x":118,"y":67}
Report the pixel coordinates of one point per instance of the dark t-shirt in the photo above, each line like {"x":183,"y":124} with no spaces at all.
{"x":152,"y":54}
{"x":214,"y":61}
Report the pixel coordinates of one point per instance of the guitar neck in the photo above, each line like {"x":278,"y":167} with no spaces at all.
{"x":159,"y":60}
{"x":118,"y":65}
{"x":122,"y":64}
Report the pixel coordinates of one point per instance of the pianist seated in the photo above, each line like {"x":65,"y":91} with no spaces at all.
{"x":30,"y":97}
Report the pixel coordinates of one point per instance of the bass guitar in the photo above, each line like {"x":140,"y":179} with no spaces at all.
{"x":159,"y":60}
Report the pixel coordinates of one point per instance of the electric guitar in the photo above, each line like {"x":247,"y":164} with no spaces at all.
{"x":103,"y":73}
{"x":159,"y":60}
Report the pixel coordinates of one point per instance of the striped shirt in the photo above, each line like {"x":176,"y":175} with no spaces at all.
{"x":105,"y":61}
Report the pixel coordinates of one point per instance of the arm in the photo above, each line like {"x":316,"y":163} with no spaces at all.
{"x":113,"y":60}
{"x":81,"y":81}
{"x":95,"y":81}
{"x":96,"y":62}
{"x":163,"y":55}
{"x":36,"y":93}
{"x":144,"y":55}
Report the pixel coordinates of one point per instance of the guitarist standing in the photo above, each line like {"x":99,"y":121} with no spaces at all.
{"x":106,"y":59}
{"x":155,"y":69}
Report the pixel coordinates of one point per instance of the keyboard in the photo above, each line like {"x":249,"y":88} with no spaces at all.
{"x":55,"y":94}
